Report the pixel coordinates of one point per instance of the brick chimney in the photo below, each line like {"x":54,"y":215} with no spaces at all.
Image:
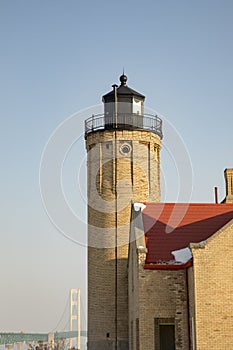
{"x":228,"y":173}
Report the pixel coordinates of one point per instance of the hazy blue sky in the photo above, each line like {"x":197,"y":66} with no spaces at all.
{"x":59,"y":57}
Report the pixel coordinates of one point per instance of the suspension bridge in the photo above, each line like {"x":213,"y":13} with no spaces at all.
{"x":60,"y":340}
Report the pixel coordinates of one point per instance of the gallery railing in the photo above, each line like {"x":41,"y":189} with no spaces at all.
{"x":124,"y":121}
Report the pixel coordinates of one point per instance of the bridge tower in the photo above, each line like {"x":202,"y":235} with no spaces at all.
{"x":75,"y":314}
{"x":123,"y":166}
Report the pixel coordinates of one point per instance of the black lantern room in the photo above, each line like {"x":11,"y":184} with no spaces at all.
{"x":123,"y":110}
{"x":123,"y":106}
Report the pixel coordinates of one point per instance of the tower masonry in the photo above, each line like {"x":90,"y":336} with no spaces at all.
{"x":228,"y":173}
{"x":123,"y":166}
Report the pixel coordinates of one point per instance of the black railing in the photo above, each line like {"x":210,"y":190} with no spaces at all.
{"x":124,"y":121}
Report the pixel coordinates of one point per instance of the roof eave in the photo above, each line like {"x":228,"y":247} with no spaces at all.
{"x":152,"y":266}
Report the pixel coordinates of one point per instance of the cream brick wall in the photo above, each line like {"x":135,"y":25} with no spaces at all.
{"x":162,"y":295}
{"x":155,"y":295}
{"x":213,"y":283}
{"x":137,"y":175}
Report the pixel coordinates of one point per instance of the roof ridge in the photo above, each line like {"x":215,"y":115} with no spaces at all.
{"x":189,"y":203}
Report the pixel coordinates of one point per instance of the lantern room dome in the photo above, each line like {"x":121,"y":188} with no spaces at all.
{"x":122,"y":90}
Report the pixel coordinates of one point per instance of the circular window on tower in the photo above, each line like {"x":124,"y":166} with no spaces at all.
{"x":125,"y":149}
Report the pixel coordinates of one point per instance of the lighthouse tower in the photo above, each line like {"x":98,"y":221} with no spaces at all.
{"x":123,"y":166}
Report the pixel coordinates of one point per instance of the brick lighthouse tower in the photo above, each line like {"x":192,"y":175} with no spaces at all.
{"x":123,"y":150}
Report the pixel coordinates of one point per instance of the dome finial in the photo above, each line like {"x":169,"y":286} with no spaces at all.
{"x":123,"y":78}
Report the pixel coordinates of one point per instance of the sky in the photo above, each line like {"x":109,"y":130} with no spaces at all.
{"x":57,"y":60}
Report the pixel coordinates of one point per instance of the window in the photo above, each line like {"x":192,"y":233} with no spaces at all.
{"x":125,"y":149}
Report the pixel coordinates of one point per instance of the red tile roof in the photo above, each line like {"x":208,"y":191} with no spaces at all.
{"x":172,"y":226}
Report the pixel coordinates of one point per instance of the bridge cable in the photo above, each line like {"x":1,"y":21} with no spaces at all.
{"x":66,"y":306}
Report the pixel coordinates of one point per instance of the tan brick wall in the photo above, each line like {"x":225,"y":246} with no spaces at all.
{"x":156,"y":295}
{"x":213,"y":281}
{"x":137,"y":174}
{"x":162,"y":295}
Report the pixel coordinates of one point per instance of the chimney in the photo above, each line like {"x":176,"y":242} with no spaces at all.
{"x":228,"y":173}
{"x":216,"y":194}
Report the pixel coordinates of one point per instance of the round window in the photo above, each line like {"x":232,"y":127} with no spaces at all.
{"x":125,"y":148}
